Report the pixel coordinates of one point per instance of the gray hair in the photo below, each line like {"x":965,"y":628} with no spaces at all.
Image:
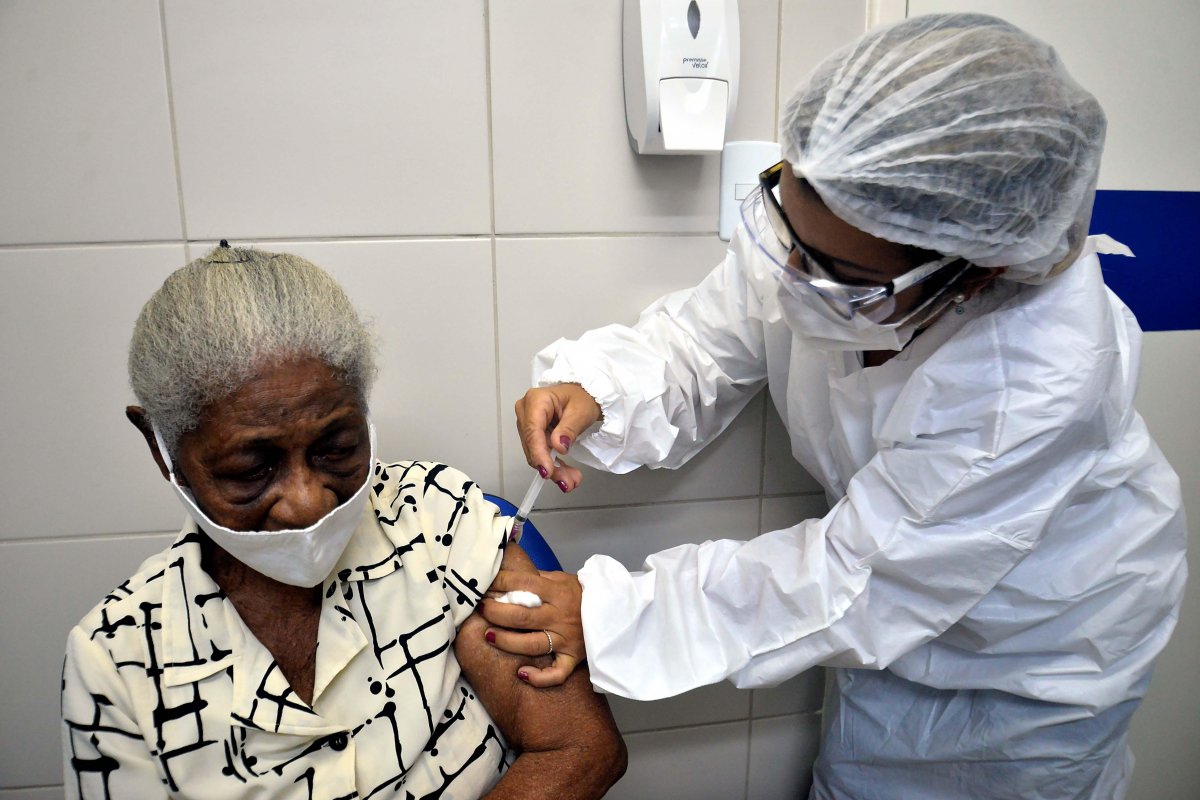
{"x":217,"y":321}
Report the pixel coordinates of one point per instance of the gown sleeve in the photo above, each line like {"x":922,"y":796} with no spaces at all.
{"x":972,"y":467}
{"x":672,"y":382}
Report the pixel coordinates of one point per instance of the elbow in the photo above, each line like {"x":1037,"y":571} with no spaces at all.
{"x":621,"y":761}
{"x":616,"y":759}
{"x":604,"y":758}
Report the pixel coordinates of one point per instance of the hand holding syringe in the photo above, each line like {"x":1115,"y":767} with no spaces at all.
{"x":550,"y":419}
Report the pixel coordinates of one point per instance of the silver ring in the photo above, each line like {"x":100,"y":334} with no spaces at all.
{"x":550,"y":640}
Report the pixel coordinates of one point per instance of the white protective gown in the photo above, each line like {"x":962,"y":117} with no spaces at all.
{"x":1006,"y":542}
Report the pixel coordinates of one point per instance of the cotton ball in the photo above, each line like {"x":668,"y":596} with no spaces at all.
{"x":520,"y":598}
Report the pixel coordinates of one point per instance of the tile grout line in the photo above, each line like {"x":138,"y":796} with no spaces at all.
{"x":778,"y":65}
{"x":78,"y":538}
{"x":31,"y":786}
{"x":84,"y":538}
{"x":749,"y":748}
{"x":762,"y":456}
{"x":162,"y":22}
{"x":487,"y":79}
{"x":678,"y":501}
{"x":732,"y":721}
{"x":762,"y":481}
{"x":365,"y":238}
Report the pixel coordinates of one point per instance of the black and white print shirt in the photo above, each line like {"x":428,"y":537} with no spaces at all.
{"x":166,"y":693}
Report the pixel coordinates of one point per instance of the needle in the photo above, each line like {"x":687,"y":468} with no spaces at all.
{"x":527,"y":504}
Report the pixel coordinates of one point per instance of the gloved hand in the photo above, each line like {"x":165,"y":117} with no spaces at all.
{"x":553,"y":418}
{"x":556,"y":620}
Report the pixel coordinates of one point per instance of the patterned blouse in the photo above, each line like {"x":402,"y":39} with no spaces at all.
{"x":166,"y":693}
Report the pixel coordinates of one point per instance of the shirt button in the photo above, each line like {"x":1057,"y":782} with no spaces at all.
{"x":338,"y":742}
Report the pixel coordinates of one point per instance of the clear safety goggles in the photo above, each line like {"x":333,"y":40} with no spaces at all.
{"x":806,"y":270}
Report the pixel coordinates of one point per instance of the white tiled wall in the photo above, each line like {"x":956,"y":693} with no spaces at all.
{"x":48,"y":585}
{"x":323,"y":119}
{"x":462,"y":168}
{"x":87,"y":149}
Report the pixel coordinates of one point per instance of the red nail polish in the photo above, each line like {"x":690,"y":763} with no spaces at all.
{"x":562,"y":485}
{"x":490,"y":636}
{"x":542,"y":472}
{"x":565,"y":441}
{"x":523,"y":675}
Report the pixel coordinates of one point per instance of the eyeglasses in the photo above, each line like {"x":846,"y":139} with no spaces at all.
{"x":771,"y":231}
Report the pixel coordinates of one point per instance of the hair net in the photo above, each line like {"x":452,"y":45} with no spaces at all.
{"x":957,"y":133}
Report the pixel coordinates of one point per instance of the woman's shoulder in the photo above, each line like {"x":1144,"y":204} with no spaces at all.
{"x":421,"y":496}
{"x":436,"y":518}
{"x":1049,"y":356}
{"x":1067,"y":332}
{"x":117,"y":614}
{"x":414,"y":469}
{"x":418,"y":485}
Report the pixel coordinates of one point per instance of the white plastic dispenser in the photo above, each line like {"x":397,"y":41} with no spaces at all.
{"x":681,"y":73}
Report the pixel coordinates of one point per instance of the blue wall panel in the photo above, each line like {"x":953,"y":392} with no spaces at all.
{"x":1162,"y":285}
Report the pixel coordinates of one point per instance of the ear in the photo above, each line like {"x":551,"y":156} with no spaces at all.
{"x":976,"y":279}
{"x":137,"y":415}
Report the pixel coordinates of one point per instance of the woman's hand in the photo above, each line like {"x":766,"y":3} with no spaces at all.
{"x":557,"y":619}
{"x":551,"y":419}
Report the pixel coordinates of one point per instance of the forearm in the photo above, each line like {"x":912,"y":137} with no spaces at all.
{"x":586,"y":767}
{"x":560,"y":775}
{"x":569,"y":744}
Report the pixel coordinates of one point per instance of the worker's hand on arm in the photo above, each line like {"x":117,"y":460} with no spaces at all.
{"x":552,"y":419}
{"x":569,"y":743}
{"x":557,"y":619}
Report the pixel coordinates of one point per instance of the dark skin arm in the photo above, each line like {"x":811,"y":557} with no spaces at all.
{"x":569,"y":743}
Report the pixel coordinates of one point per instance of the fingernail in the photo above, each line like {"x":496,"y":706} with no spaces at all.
{"x":523,"y":675}
{"x":542,"y":472}
{"x":490,"y":636}
{"x":562,"y":485}
{"x":565,"y":441}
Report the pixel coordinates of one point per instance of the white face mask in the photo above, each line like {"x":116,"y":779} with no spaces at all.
{"x":809,"y":316}
{"x":296,"y":557}
{"x":812,"y":318}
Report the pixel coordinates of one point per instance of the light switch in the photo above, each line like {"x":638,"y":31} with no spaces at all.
{"x":740,"y":164}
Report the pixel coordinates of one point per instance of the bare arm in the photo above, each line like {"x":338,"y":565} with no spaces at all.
{"x":569,"y":743}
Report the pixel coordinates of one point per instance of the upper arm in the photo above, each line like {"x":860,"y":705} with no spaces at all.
{"x":565,"y":716}
{"x":104,"y":754}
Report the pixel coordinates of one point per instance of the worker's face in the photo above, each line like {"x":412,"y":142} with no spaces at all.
{"x":280,"y":452}
{"x":850,"y":255}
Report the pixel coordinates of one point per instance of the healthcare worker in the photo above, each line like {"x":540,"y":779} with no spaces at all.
{"x":1004,"y":555}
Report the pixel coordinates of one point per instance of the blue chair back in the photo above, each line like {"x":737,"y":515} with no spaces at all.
{"x":532,"y":541}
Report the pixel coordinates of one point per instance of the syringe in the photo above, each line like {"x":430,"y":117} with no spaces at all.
{"x":527,"y":504}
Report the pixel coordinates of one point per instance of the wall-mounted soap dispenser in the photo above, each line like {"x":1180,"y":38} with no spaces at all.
{"x":681,"y":73}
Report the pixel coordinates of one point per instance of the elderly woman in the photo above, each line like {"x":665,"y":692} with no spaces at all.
{"x":310,"y":633}
{"x":1003,"y":558}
